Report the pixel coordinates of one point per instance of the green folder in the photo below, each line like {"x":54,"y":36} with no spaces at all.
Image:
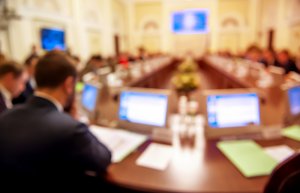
{"x":248,"y":157}
{"x":292,"y":132}
{"x":79,"y":87}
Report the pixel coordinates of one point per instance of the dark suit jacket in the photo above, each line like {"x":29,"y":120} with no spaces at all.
{"x":2,"y":104}
{"x":41,"y":146}
{"x":26,"y":94}
{"x":290,"y":66}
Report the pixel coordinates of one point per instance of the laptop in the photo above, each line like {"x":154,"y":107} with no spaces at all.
{"x":142,"y":113}
{"x":292,"y":105}
{"x":233,"y":112}
{"x":142,"y":110}
{"x":147,"y":111}
{"x":89,"y":98}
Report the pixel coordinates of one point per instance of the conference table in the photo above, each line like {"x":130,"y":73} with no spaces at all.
{"x":199,"y":167}
{"x":273,"y":97}
{"x":157,"y":77}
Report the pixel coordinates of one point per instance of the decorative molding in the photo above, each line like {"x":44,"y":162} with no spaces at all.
{"x":293,"y":12}
{"x":232,"y":18}
{"x":92,"y":12}
{"x":149,"y":19}
{"x":45,"y":8}
{"x":49,"y":6}
{"x":146,"y":1}
{"x":92,"y":26}
{"x":41,"y":15}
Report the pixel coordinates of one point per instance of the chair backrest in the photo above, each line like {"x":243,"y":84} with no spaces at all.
{"x":286,"y":177}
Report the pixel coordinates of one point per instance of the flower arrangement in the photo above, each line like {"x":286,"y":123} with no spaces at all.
{"x":186,"y":79}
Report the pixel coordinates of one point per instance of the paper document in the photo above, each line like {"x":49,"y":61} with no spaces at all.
{"x":120,"y":142}
{"x":248,"y":157}
{"x":280,"y":152}
{"x":292,"y":132}
{"x":156,"y":156}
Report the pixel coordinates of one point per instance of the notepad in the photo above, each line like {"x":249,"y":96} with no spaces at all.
{"x":248,"y":157}
{"x":279,"y":152}
{"x":292,"y":132}
{"x":120,"y":142}
{"x":156,"y":156}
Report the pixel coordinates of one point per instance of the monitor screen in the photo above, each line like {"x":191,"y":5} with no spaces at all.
{"x":191,"y":21}
{"x":143,"y":108}
{"x":294,"y":100}
{"x":89,"y":97}
{"x":233,"y":110}
{"x":53,"y":39}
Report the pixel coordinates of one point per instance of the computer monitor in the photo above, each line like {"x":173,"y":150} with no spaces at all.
{"x":293,"y":104}
{"x":294,"y":100}
{"x":231,"y":112}
{"x":190,"y":21}
{"x":89,"y":99}
{"x":52,"y":38}
{"x":142,"y":110}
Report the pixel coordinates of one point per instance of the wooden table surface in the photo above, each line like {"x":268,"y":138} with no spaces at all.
{"x":201,"y":167}
{"x":273,"y":105}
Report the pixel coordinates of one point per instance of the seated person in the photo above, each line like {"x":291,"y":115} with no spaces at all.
{"x":12,"y":83}
{"x":269,"y":58}
{"x":41,"y":145}
{"x":253,"y":54}
{"x":285,"y":61}
{"x":285,"y":178}
{"x":94,"y":63}
{"x":2,"y":58}
{"x":298,"y":60}
{"x":142,"y":55}
{"x":30,"y":64}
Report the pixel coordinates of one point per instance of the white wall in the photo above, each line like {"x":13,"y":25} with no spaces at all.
{"x":88,"y":25}
{"x":219,"y":37}
{"x":4,"y":42}
{"x":254,"y":17}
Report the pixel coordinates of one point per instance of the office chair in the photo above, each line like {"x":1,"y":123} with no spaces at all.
{"x":285,"y":178}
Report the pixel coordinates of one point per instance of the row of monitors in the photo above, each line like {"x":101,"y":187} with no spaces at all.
{"x":139,"y":109}
{"x":227,"y":110}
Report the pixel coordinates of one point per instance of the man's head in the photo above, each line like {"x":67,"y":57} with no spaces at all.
{"x":96,"y":61}
{"x":30,"y":64}
{"x":13,"y":77}
{"x":283,"y":56}
{"x":268,"y":55}
{"x":55,"y":73}
{"x":253,"y":53}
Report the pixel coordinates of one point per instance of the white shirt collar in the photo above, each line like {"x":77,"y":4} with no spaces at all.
{"x":49,"y":98}
{"x":7,"y":96}
{"x":32,"y":82}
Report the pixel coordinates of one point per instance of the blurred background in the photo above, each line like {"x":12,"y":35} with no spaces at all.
{"x":116,"y":27}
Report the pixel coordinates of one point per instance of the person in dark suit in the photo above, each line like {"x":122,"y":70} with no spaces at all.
{"x":285,"y":62}
{"x":12,"y":83}
{"x":2,"y":103}
{"x":30,"y":64}
{"x":269,"y":58}
{"x":93,"y":64}
{"x":41,"y":145}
